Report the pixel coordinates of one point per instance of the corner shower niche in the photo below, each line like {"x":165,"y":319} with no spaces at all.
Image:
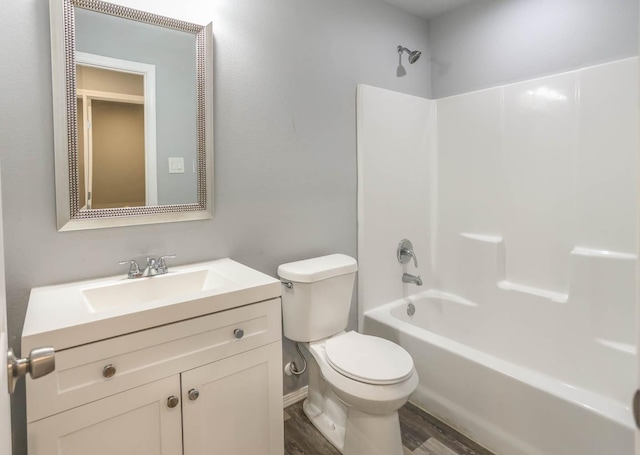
{"x":524,"y":197}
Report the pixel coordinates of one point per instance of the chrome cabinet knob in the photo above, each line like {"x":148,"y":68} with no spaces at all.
{"x":172,"y":401}
{"x":109,"y":371}
{"x":193,"y":394}
{"x":238,"y":333}
{"x":41,"y":361}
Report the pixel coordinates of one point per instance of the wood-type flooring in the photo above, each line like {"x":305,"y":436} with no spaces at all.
{"x":422,"y":434}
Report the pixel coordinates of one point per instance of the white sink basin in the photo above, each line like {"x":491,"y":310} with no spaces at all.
{"x":144,"y":290}
{"x":83,"y":312}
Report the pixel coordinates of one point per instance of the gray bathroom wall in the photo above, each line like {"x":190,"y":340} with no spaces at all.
{"x":492,"y":42}
{"x":285,"y":142}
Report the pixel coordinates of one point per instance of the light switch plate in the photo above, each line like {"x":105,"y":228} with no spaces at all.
{"x":176,"y":165}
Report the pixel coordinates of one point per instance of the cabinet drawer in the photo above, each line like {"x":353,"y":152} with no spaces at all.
{"x":149,"y":355}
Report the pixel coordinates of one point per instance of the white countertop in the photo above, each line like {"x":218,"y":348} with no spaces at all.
{"x":63,"y":317}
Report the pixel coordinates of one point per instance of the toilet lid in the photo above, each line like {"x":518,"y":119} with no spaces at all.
{"x":368,"y":359}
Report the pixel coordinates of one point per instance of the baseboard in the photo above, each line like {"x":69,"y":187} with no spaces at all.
{"x":293,"y":397}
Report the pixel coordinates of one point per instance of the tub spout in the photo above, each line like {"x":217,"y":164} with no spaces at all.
{"x":408,"y":278}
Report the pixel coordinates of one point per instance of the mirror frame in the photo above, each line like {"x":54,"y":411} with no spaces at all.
{"x":63,"y":74}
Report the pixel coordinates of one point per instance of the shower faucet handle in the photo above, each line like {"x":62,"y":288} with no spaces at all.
{"x":405,"y":252}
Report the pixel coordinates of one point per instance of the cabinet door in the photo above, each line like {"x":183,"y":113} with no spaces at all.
{"x":238,"y":410}
{"x":135,"y":422}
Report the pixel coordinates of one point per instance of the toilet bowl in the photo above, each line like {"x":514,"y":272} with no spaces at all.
{"x":357,"y":382}
{"x":358,"y":416}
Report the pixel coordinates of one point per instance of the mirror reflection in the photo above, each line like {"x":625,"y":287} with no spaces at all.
{"x":136,"y":113}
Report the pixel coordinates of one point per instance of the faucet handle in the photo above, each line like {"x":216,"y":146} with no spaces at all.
{"x":162,"y":263}
{"x":134,"y":268}
{"x":405,"y":252}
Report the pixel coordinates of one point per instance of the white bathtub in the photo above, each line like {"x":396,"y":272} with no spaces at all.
{"x":487,"y":394}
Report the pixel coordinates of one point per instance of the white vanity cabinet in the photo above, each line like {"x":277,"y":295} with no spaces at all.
{"x":210,"y":384}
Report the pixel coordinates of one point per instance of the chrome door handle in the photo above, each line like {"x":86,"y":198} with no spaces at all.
{"x":41,"y":361}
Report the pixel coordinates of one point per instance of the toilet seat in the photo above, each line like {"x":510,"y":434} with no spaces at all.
{"x":368,"y":359}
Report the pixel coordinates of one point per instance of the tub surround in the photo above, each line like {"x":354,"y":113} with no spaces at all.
{"x":524,"y":205}
{"x":395,"y":165}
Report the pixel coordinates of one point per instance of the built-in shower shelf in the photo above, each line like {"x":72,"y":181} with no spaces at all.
{"x":618,"y":346}
{"x":551,"y":295}
{"x":589,"y":252}
{"x":482,"y":237}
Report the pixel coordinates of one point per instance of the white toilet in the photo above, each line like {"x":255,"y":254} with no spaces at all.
{"x":357,"y":382}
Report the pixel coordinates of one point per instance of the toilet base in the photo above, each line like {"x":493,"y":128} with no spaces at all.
{"x":372,"y":434}
{"x":332,"y":432}
{"x":364,"y":433}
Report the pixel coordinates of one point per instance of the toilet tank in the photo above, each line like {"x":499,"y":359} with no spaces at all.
{"x":317,"y":304}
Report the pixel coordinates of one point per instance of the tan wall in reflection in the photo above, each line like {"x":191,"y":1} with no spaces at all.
{"x":91,"y":78}
{"x":118,"y":155}
{"x":118,"y":163}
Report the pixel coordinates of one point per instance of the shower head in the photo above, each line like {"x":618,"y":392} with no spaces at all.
{"x":413,"y":55}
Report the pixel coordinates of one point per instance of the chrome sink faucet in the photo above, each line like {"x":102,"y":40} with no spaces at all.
{"x":154,"y":267}
{"x":157,"y":266}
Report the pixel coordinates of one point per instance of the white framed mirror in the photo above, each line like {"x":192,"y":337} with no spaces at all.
{"x":133,"y":103}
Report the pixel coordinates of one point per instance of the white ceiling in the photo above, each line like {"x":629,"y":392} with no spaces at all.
{"x":427,"y":8}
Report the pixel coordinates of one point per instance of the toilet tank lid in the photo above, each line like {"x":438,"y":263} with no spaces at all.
{"x":316,"y":269}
